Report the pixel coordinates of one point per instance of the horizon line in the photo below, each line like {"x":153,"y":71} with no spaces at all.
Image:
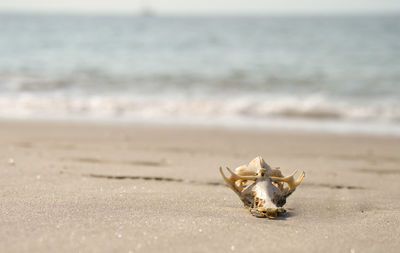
{"x":201,"y":13}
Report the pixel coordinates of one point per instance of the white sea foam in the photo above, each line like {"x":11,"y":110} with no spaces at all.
{"x":314,"y":112}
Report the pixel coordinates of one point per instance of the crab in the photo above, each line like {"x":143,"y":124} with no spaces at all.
{"x":262,"y":188}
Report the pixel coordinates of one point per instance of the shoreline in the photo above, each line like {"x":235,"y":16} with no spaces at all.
{"x":102,"y":187}
{"x":315,"y":130}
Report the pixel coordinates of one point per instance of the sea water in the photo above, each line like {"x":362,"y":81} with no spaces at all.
{"x":324,"y":73}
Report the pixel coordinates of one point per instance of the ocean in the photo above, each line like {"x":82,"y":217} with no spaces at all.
{"x":319,"y":73}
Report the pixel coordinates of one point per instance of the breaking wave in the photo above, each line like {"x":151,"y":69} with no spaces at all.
{"x":243,"y":111}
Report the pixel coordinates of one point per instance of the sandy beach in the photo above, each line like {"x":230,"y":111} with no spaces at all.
{"x":86,"y":187}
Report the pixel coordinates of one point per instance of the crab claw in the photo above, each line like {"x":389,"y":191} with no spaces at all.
{"x":292,"y":183}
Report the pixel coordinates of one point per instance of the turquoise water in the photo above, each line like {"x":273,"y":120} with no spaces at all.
{"x":336,"y":73}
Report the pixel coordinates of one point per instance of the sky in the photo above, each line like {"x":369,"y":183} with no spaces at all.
{"x":204,"y":6}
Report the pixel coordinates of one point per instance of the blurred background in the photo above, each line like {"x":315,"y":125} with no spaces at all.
{"x":313,"y":65}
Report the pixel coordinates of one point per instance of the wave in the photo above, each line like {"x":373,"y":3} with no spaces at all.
{"x":231,"y":81}
{"x":245,"y":111}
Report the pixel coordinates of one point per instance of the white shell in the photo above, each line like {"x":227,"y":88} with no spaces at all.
{"x":262,"y":188}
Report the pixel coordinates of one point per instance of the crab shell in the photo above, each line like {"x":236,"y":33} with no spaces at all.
{"x":262,"y":188}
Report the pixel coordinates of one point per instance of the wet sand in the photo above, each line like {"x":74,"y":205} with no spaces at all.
{"x":85,"y":187}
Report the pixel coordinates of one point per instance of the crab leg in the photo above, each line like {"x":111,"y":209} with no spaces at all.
{"x":235,"y":176}
{"x":292,"y":183}
{"x":227,"y":180}
{"x":237,"y":189}
{"x":231,"y":181}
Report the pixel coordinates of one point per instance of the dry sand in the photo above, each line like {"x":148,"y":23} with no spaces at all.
{"x":104,"y":188}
